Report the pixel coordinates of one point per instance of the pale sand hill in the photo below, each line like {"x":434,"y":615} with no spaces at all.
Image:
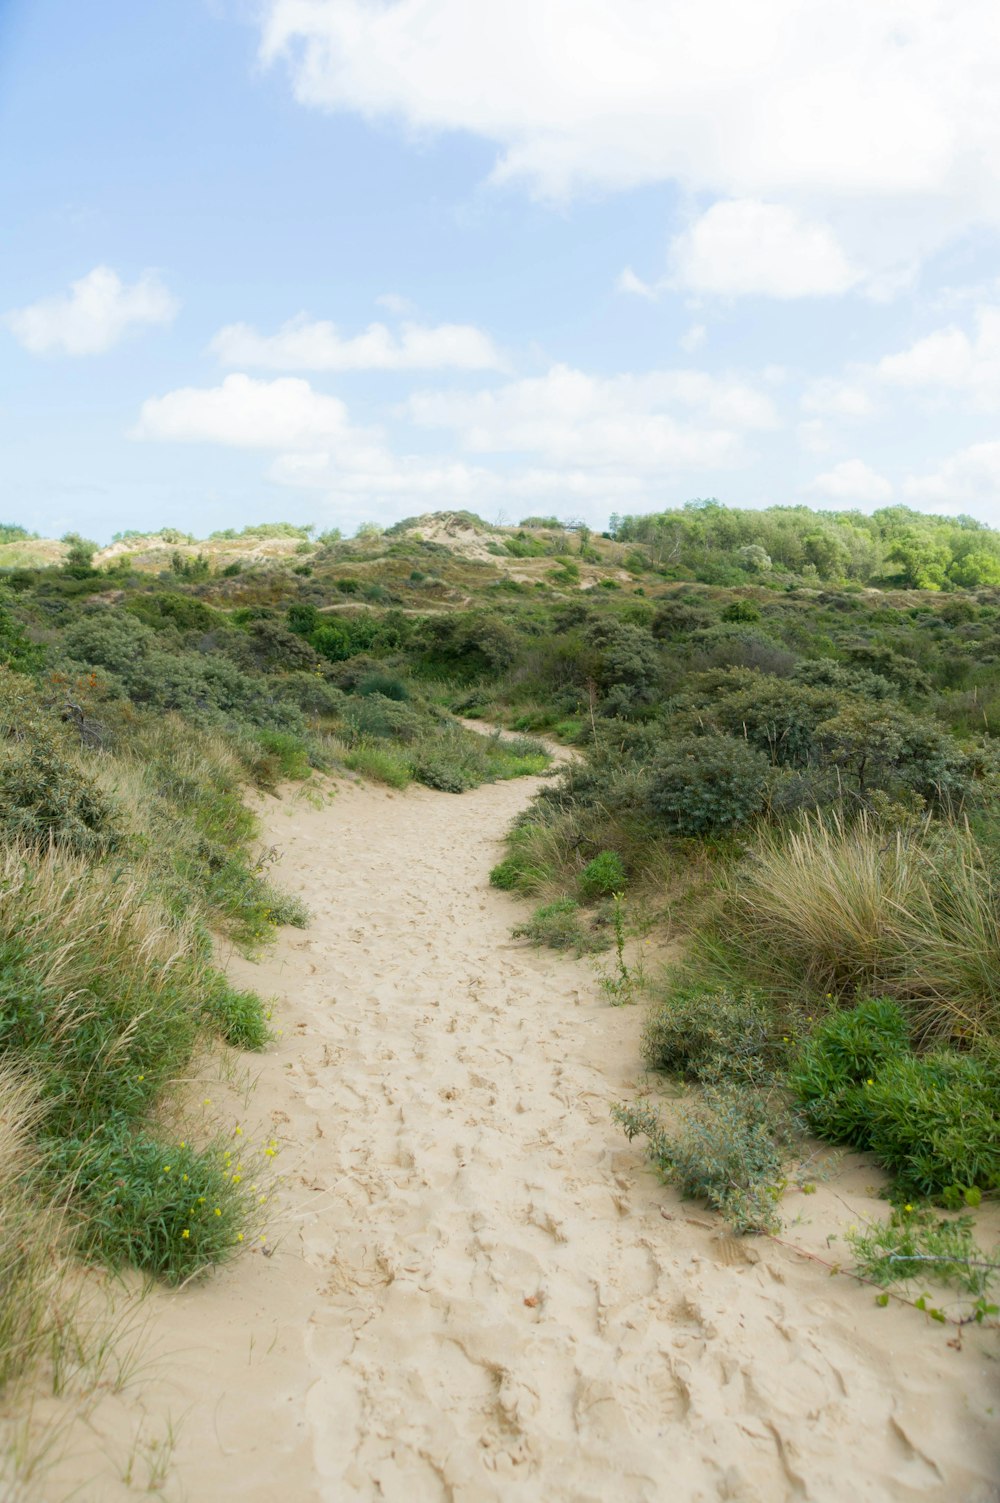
{"x":474,"y":1294}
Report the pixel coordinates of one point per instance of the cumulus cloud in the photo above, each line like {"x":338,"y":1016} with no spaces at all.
{"x":248,"y":414}
{"x":745,"y":247}
{"x":971,"y":477}
{"x":308,"y":346}
{"x":830,"y":397}
{"x":97,"y":312}
{"x":951,"y":362}
{"x":852,"y":482}
{"x":823,"y":109}
{"x":664,"y":419}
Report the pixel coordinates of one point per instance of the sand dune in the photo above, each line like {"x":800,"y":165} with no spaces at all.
{"x":475,"y":1289}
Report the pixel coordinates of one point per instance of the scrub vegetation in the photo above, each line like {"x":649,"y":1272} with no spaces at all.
{"x":784,"y":725}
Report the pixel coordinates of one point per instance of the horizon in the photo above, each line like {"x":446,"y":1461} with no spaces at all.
{"x":359,"y":262}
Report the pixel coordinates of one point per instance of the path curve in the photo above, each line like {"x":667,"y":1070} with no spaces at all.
{"x":479,"y":1292}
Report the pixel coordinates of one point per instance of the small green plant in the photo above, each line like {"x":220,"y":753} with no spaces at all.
{"x":624,"y":985}
{"x":558,"y":926}
{"x":917,"y":1245}
{"x":603,"y":876}
{"x":703,"y":784}
{"x":728,"y":1147}
{"x":931,"y":1120}
{"x":380,"y":764}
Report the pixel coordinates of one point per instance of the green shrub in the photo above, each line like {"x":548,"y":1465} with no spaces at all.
{"x":237,"y":1016}
{"x":558,"y":926}
{"x":384,"y":684}
{"x":603,"y":876}
{"x":703,"y":784}
{"x":380,"y":764}
{"x":915,"y":1244}
{"x":168,"y":1209}
{"x":712,"y":1035}
{"x":741,"y":610}
{"x":44,"y":797}
{"x":931,"y":1120}
{"x":728,"y":1148}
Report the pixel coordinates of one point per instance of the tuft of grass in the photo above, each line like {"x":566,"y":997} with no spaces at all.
{"x":380,"y":763}
{"x":32,"y":1236}
{"x":559,"y":926}
{"x":842,"y":909}
{"x":603,"y":876}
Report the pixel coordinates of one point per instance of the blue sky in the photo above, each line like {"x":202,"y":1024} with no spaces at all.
{"x":338,"y":260}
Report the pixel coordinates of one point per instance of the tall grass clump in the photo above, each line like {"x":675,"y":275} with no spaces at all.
{"x":106,"y":997}
{"x":839,"y":909}
{"x":32,"y":1258}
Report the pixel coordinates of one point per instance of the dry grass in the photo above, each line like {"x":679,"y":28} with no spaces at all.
{"x":31,"y":1234}
{"x":841,"y":909}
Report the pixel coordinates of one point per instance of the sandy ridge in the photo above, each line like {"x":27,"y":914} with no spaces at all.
{"x":475,"y":1294}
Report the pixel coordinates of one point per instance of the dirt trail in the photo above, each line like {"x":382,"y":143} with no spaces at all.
{"x":474,"y":1293}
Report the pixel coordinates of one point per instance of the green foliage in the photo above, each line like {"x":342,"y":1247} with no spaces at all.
{"x":559,"y":926}
{"x":236,"y":1015}
{"x":703,"y":784}
{"x":603,"y":876}
{"x":727,"y":1147}
{"x":740,"y":610}
{"x":380,"y":764}
{"x":915,"y":1245}
{"x":79,"y":560}
{"x":45,"y":798}
{"x":714,"y":1035}
{"x":166,"y":1208}
{"x":930,"y":1120}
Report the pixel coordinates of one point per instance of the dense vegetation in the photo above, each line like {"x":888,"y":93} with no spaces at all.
{"x":136,"y":710}
{"x":787,"y":768}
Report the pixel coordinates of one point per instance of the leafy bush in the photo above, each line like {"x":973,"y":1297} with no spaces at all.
{"x":703,"y":784}
{"x":916,"y":1244}
{"x":930,"y":1120}
{"x":380,"y":764}
{"x":712,"y":1035}
{"x":44,"y":797}
{"x":167,"y":1208}
{"x":728,"y":1148}
{"x":603,"y":876}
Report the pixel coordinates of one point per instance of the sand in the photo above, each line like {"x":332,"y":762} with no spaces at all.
{"x":473,"y":1288}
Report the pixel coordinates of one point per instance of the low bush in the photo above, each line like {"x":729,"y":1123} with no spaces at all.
{"x":603,"y":876}
{"x":930,"y":1120}
{"x":380,"y":764}
{"x":45,"y":798}
{"x":559,"y":926}
{"x":727,"y":1147}
{"x":702,"y":784}
{"x":713,"y":1035}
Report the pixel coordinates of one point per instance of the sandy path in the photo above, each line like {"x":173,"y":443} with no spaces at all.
{"x":476,"y":1295}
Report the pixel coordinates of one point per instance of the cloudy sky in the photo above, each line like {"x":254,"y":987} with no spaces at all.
{"x":332,"y":260}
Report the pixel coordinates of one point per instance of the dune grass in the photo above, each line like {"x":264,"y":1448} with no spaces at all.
{"x":837,"y":910}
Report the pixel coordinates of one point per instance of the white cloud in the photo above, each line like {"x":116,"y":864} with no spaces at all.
{"x":394,"y":303}
{"x":829,"y":397}
{"x":692,"y":339}
{"x":951,"y":362}
{"x":301,"y":345}
{"x":742,"y":246}
{"x":629,"y":282}
{"x":676,"y":419}
{"x":248,"y":414}
{"x":969,"y":478}
{"x":826,"y":109}
{"x":852,"y":482}
{"x":98,"y":311}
